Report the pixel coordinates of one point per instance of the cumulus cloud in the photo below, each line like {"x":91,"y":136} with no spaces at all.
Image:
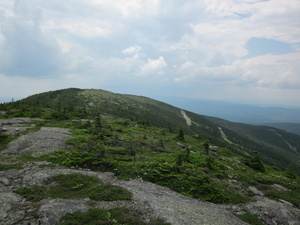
{"x":154,"y":66}
{"x":132,"y":50}
{"x":191,"y":45}
{"x":25,"y":49}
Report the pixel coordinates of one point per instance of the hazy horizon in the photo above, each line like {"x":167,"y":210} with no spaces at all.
{"x":244,"y":51}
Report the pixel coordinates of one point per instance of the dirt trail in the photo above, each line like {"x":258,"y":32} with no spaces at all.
{"x":224,"y":136}
{"x":294,"y":149}
{"x":188,"y":120}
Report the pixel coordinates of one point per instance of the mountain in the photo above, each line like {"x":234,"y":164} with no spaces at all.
{"x":275,"y":146}
{"x":289,"y":127}
{"x":76,"y":154}
{"x":237,"y":112}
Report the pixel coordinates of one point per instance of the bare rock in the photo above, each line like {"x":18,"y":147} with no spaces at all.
{"x":279,"y":187}
{"x":175,"y":208}
{"x":271,"y":212}
{"x":255,"y":191}
{"x":52,"y":209}
{"x":45,"y":141}
{"x":9,"y":213}
{"x":5,"y":181}
{"x":14,"y":126}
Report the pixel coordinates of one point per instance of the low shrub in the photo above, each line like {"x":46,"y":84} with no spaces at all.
{"x":290,"y":196}
{"x":107,"y":192}
{"x":75,"y":186}
{"x":10,"y":166}
{"x":34,"y":193}
{"x":250,"y":218}
{"x":109,"y":217}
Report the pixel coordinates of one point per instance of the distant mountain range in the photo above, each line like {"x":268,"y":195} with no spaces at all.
{"x":280,"y":117}
{"x":289,"y":127}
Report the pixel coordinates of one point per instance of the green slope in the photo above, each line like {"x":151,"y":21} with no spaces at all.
{"x":289,"y":127}
{"x":275,"y":146}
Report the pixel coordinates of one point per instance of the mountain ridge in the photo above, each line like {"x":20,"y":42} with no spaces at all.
{"x":93,"y":102}
{"x":140,"y":139}
{"x":237,"y":112}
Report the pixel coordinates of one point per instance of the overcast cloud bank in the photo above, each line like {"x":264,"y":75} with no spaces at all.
{"x":246,"y":50}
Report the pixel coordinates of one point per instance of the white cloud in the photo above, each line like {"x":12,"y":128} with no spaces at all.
{"x":132,"y":50}
{"x":269,"y":71}
{"x":199,"y":44}
{"x":129,"y":8}
{"x":86,"y":28}
{"x":154,"y":66}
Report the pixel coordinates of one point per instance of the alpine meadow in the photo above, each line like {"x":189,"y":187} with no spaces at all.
{"x":138,"y":138}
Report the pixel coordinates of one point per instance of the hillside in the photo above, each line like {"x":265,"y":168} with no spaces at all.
{"x":276,"y":147}
{"x":289,"y":127}
{"x":162,"y":154}
{"x":237,"y":112}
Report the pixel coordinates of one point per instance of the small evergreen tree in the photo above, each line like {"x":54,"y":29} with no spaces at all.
{"x":206,"y":147}
{"x":256,"y":163}
{"x":180,"y":136}
{"x":161,"y":143}
{"x":98,"y":123}
{"x":290,"y":173}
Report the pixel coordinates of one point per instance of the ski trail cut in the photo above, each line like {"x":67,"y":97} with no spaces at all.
{"x":188,"y":120}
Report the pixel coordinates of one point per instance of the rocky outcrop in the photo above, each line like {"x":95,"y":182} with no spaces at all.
{"x":14,"y":126}
{"x":10,"y":213}
{"x":151,"y":200}
{"x":44,"y":141}
{"x":270,"y":212}
{"x":175,"y":208}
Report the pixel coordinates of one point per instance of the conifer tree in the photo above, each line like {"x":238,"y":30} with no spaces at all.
{"x":290,"y":173}
{"x":180,"y":135}
{"x":206,"y":147}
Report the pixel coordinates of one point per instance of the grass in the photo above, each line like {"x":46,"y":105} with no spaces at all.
{"x":290,"y":196}
{"x":250,"y":218}
{"x":236,"y":197}
{"x":29,"y":158}
{"x":132,"y":150}
{"x":31,"y":129}
{"x":109,"y":217}
{"x":34,"y":193}
{"x":4,"y":141}
{"x":10,"y":166}
{"x":108,"y":192}
{"x":75,"y":186}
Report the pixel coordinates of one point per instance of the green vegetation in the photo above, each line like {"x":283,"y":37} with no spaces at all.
{"x":4,"y":140}
{"x":250,"y":218}
{"x":290,"y":196}
{"x":67,"y":104}
{"x":137,"y":137}
{"x":132,"y":149}
{"x":110,"y":216}
{"x":255,"y":163}
{"x":75,"y":186}
{"x":34,"y":193}
{"x":10,"y":166}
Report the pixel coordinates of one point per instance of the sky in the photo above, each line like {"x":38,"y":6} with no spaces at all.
{"x":244,"y":51}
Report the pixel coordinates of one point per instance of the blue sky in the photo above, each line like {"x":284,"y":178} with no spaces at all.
{"x":234,"y":50}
